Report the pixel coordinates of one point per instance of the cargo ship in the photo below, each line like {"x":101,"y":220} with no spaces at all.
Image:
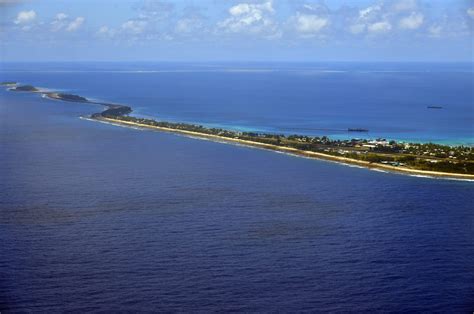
{"x":357,"y":130}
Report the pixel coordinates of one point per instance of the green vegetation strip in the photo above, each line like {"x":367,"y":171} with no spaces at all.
{"x":427,"y":158}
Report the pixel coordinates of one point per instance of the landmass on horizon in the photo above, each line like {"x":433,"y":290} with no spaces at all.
{"x":426,"y":159}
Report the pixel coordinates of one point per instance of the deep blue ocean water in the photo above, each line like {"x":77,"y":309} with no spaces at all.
{"x":95,"y":217}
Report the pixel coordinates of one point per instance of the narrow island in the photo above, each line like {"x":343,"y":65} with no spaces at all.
{"x":67,"y":97}
{"x":426,"y":159}
{"x":24,"y":88}
{"x":8,"y":83}
{"x":112,"y":109}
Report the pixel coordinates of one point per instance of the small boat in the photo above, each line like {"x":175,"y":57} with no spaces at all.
{"x":434,"y":107}
{"x":357,"y":130}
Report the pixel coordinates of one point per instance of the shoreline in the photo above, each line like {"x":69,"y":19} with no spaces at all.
{"x":115,"y":114}
{"x":293,"y":151}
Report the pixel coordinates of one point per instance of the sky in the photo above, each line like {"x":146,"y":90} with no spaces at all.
{"x":237,"y":30}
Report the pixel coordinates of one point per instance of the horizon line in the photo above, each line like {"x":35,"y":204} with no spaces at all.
{"x":235,"y":61}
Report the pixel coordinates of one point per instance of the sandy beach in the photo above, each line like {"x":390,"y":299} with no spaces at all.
{"x":296,"y":152}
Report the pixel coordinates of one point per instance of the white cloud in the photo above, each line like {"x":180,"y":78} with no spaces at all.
{"x":413,"y":21}
{"x":154,"y":9}
{"x":309,"y":23}
{"x":59,"y":22}
{"x":357,"y":28}
{"x":188,"y":25}
{"x":450,"y":26}
{"x":25,"y":17}
{"x":366,"y":20}
{"x":410,"y":19}
{"x":61,"y":16}
{"x":309,"y":7}
{"x":239,"y":9}
{"x":470,"y":12}
{"x":405,"y":5}
{"x":75,"y":24}
{"x":134,"y":26}
{"x":62,"y":22}
{"x":105,"y":32}
{"x":184,"y":26}
{"x":245,"y":8}
{"x":250,"y":18}
{"x":382,"y":17}
{"x":369,"y":12}
{"x":435,"y":30}
{"x":379,"y":27}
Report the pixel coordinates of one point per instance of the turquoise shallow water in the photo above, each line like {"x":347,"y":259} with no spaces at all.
{"x":95,"y":217}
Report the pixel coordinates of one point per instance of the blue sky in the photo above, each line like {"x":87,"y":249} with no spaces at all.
{"x":243,"y":30}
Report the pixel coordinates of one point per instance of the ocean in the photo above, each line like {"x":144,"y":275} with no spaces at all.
{"x":389,"y":100}
{"x":96,"y":217}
